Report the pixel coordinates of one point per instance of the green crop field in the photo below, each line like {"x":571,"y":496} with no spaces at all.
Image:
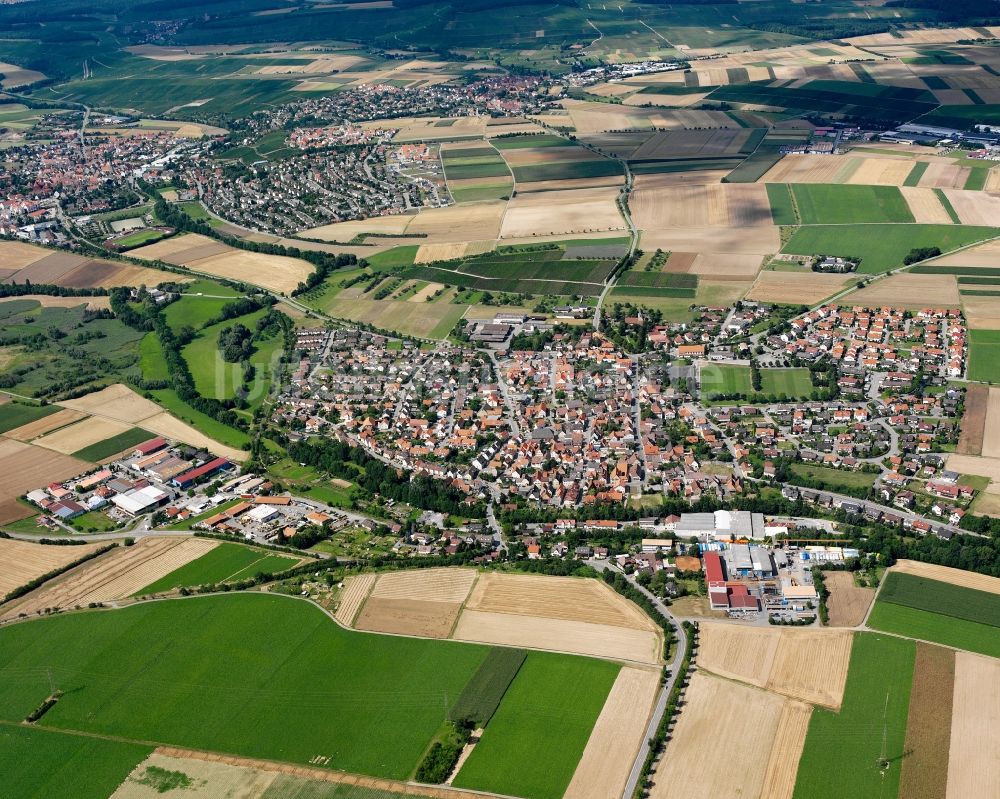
{"x":226,"y":563}
{"x":826,"y":203}
{"x":14,"y":414}
{"x":881,"y":247}
{"x":929,"y":626}
{"x":114,"y":445}
{"x":567,"y":170}
{"x":253,"y":674}
{"x":791,"y":382}
{"x":37,"y":763}
{"x":521,"y":142}
{"x":935,"y":596}
{"x":984,"y":355}
{"x":843,"y":750}
{"x":482,"y":695}
{"x":486,"y":169}
{"x":519,"y":755}
{"x":779,"y":195}
{"x":916,"y":173}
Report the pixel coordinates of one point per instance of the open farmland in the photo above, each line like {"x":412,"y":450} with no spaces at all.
{"x":223,"y":562}
{"x":22,"y":263}
{"x":53,"y":420}
{"x":719,"y":204}
{"x":23,"y":561}
{"x":946,"y":574}
{"x":869,"y":727}
{"x":924,"y":772}
{"x":38,"y":762}
{"x":519,"y":736}
{"x":796,"y":288}
{"x":881,"y":247}
{"x":26,"y":467}
{"x":81,"y":435}
{"x":355,"y":592}
{"x":115,"y":575}
{"x":717,"y":712}
{"x":160,"y":680}
{"x":820,"y":203}
{"x":809,"y":665}
{"x":984,"y":349}
{"x":15,"y":416}
{"x":908,"y":290}
{"x":611,"y":749}
{"x":974,"y":755}
{"x":977,"y":400}
{"x":562,"y":212}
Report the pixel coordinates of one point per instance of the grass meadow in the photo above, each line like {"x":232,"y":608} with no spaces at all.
{"x":227,"y":562}
{"x":984,"y":355}
{"x":843,"y":750}
{"x":935,"y":596}
{"x":519,"y":754}
{"x":256,"y":675}
{"x":881,"y":247}
{"x":792,"y":382}
{"x":825,"y":203}
{"x":114,"y":445}
{"x":36,"y":762}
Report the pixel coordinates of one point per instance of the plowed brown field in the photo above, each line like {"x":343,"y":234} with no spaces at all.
{"x":848,"y":603}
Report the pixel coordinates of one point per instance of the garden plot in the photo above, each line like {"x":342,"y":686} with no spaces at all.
{"x":116,"y":575}
{"x":81,"y":434}
{"x":909,"y":290}
{"x":23,"y":561}
{"x":561,"y":212}
{"x":809,"y":665}
{"x":771,"y":731}
{"x":974,"y":755}
{"x":796,"y":288}
{"x":848,"y":603}
{"x":617,"y":735}
{"x":46,"y":424}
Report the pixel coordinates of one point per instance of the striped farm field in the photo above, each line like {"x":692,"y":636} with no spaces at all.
{"x":221,"y":562}
{"x":23,"y":561}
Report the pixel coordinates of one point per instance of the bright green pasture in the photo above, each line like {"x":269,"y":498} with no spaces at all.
{"x":725,"y":380}
{"x":792,"y":382}
{"x":881,"y":247}
{"x":534,"y":742}
{"x":227,"y":562}
{"x":256,"y":675}
{"x":984,"y":355}
{"x":37,"y":763}
{"x":843,"y":749}
{"x":829,"y":203}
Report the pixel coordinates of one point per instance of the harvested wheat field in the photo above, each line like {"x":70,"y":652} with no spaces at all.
{"x":23,"y":561}
{"x":991,"y":427}
{"x":974,"y":464}
{"x":166,"y":249}
{"x":945,"y":574}
{"x":117,"y":575}
{"x":925,"y":206}
{"x":974,"y":757}
{"x":45,"y":425}
{"x":560,"y":212}
{"x":426,"y":585}
{"x":46,"y":301}
{"x":762,"y":239}
{"x":274,"y":272}
{"x":346,"y":231}
{"x":353,"y":596}
{"x":809,"y":169}
{"x":796,"y":288}
{"x":924,"y":771}
{"x":559,"y":635}
{"x":977,"y":399}
{"x":713,"y":204}
{"x":459,"y":223}
{"x":426,"y":253}
{"x":943,"y":176}
{"x":810,"y":665}
{"x":17,"y":255}
{"x":81,"y":434}
{"x":119,"y":403}
{"x":727,"y":265}
{"x":789,"y":741}
{"x":26,"y":467}
{"x":611,"y":749}
{"x":570,"y":598}
{"x":909,"y":290}
{"x":408,"y":617}
{"x":975,"y":207}
{"x":882,"y":172}
{"x":848,"y":603}
{"x":717,"y":713}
